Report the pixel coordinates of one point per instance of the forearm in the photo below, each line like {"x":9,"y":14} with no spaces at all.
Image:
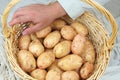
{"x":74,"y":8}
{"x":57,"y":10}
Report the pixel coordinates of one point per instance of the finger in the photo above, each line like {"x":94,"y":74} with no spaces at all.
{"x":21,"y":19}
{"x":33,"y":29}
{"x":24,"y":10}
{"x":20,"y":12}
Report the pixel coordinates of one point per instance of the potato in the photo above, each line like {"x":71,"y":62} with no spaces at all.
{"x":45,"y":59}
{"x":54,"y":66}
{"x":53,"y":75}
{"x":78,"y":44}
{"x":68,"y":32}
{"x":62,"y":49}
{"x":24,"y":41}
{"x":44,"y":32}
{"x":26,"y":60}
{"x":39,"y":74}
{"x":52,"y":39}
{"x":86,"y":70}
{"x":36,"y":48}
{"x":33,"y":37}
{"x":70,"y":62}
{"x":58,"y":24}
{"x":89,"y":53}
{"x":80,"y":28}
{"x":70,"y":75}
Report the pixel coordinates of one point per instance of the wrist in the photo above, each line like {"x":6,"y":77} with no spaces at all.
{"x":57,"y":10}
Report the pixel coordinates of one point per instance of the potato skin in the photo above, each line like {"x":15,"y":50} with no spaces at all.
{"x":53,"y":75}
{"x":45,"y":59}
{"x":80,"y":28}
{"x":58,"y":24}
{"x":39,"y":74}
{"x":86,"y":70}
{"x":24,"y":41}
{"x":70,"y":62}
{"x":52,"y":39}
{"x":44,"y":32}
{"x":33,"y":37}
{"x":68,"y":32}
{"x":70,"y":75}
{"x":78,"y":44}
{"x":36,"y":48}
{"x":26,"y":60}
{"x":89,"y":54}
{"x":54,"y":66}
{"x":62,"y":49}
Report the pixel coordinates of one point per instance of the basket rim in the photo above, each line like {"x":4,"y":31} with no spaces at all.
{"x":91,"y":2}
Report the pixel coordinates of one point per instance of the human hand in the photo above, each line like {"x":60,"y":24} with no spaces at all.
{"x":41,"y":15}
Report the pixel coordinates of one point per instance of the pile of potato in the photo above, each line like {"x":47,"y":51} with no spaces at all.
{"x":60,"y":51}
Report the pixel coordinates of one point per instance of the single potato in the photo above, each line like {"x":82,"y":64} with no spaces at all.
{"x":89,"y":54}
{"x":80,"y":28}
{"x":52,"y":39}
{"x":36,"y":48}
{"x":86,"y":70}
{"x":62,"y":49}
{"x":44,"y":32}
{"x":58,"y":24}
{"x":45,"y":59}
{"x":70,"y":75}
{"x":68,"y":32}
{"x":70,"y":62}
{"x":78,"y":44}
{"x":53,"y":75}
{"x":39,"y":74}
{"x":26,"y":60}
{"x":23,"y":42}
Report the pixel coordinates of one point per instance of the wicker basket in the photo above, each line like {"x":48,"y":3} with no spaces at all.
{"x":102,"y":42}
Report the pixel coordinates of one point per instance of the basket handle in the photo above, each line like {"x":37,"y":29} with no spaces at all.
{"x":110,"y":18}
{"x":5,"y":17}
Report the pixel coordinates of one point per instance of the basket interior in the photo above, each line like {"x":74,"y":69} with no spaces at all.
{"x":97,"y":35}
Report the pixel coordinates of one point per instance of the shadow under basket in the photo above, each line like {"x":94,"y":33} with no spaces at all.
{"x":103,"y":43}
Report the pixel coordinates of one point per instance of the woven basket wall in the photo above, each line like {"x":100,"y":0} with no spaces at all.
{"x":97,"y":34}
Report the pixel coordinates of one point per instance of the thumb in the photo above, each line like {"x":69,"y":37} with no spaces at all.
{"x":32,"y":29}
